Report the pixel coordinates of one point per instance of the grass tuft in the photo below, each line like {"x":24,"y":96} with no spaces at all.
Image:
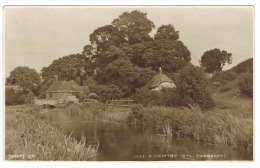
{"x":27,"y":135}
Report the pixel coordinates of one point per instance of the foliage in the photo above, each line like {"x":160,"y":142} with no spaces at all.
{"x":148,"y":97}
{"x":224,"y":77}
{"x":165,"y":97}
{"x":169,"y":53}
{"x":214,"y":60}
{"x":224,"y":89}
{"x":29,"y":136}
{"x":191,"y":87}
{"x":134,"y":26}
{"x":107,"y":92}
{"x":17,"y":97}
{"x":245,"y":83}
{"x":245,"y":66}
{"x":88,"y":111}
{"x":219,"y":127}
{"x":124,"y":54}
{"x":104,"y":37}
{"x":90,"y":82}
{"x":71,"y":67}
{"x":14,"y":98}
{"x":28,"y":79}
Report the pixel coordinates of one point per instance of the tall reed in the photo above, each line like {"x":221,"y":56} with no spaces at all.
{"x":218,"y":127}
{"x":27,"y":135}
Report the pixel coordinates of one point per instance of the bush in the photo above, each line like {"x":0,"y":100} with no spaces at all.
{"x":224,"y":77}
{"x":224,"y":89}
{"x":245,"y":83}
{"x":14,"y":98}
{"x":107,"y":92}
{"x":192,"y":88}
{"x":148,"y":97}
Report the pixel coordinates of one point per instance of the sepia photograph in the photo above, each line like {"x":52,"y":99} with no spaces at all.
{"x":128,"y":83}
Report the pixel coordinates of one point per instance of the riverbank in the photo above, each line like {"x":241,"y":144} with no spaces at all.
{"x":219,"y":127}
{"x":86,"y":112}
{"x":28,"y":137}
{"x":216,"y":127}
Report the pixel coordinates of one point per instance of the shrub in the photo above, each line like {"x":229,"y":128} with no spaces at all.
{"x":191,"y":87}
{"x":245,"y":83}
{"x":224,"y":89}
{"x":14,"y":98}
{"x":107,"y":92}
{"x":148,"y":97}
{"x":224,"y":77}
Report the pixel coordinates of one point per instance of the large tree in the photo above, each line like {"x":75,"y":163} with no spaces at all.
{"x":75,"y":67}
{"x":71,"y":67}
{"x":214,"y":60}
{"x":127,"y":55}
{"x":134,"y":26}
{"x":27,"y":78}
{"x":170,"y":53}
{"x":104,"y":37}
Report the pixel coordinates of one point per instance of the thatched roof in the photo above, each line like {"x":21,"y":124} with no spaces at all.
{"x":93,"y":96}
{"x":61,"y":86}
{"x":157,"y":80}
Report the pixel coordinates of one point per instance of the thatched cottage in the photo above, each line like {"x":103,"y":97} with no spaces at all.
{"x":160,"y":81}
{"x":66,"y":90}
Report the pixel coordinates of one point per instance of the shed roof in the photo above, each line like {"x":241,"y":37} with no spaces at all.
{"x":63,"y":85}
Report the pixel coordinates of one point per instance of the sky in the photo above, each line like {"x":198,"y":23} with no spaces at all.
{"x":36,"y":36}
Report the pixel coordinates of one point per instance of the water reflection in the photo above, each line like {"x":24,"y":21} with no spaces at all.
{"x":118,"y":142}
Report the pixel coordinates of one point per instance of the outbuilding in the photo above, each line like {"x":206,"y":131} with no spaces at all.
{"x":66,"y":90}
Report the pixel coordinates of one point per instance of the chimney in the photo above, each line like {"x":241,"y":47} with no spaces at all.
{"x":56,"y":78}
{"x":160,"y":71}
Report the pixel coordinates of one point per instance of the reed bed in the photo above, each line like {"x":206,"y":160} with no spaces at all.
{"x":94,"y":111}
{"x":27,"y":135}
{"x":217,"y":127}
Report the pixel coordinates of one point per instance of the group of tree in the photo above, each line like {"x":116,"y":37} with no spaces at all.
{"x":122,"y":57}
{"x":28,"y":82}
{"x":191,"y":88}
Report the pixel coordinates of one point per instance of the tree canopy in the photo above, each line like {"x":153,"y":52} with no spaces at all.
{"x":27,"y":78}
{"x":126,"y":54}
{"x":71,"y":67}
{"x":215,"y":60}
{"x":192,"y":87}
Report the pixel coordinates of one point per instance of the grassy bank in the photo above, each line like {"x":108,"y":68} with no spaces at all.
{"x":94,"y":111}
{"x":217,"y":127}
{"x":30,"y":138}
{"x":220,"y":127}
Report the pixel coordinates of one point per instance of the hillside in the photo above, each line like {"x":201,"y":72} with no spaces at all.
{"x":225,"y":90}
{"x":245,"y":66}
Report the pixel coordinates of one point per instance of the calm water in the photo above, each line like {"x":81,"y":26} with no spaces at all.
{"x":119,"y":142}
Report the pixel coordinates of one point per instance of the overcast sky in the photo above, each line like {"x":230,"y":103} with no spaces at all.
{"x":36,"y":36}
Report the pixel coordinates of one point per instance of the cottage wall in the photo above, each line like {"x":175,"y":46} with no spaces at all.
{"x":48,"y":95}
{"x":164,"y":85}
{"x":61,"y":95}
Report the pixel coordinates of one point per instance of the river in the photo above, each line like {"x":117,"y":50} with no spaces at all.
{"x":119,"y":142}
